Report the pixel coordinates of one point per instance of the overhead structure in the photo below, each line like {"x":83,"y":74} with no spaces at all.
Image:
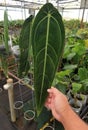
{"x":36,"y":4}
{"x":69,"y":3}
{"x":84,"y":4}
{"x":33,"y":5}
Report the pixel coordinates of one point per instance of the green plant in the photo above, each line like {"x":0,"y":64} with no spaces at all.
{"x":1,"y":38}
{"x":15,"y":40}
{"x":74,"y":51}
{"x":46,"y":34}
{"x":76,"y":87}
{"x":83,"y":76}
{"x":72,"y":24}
{"x":4,"y":54}
{"x":84,"y":83}
{"x":47,"y":50}
{"x":63,"y":77}
{"x":83,"y":33}
{"x":25,"y":47}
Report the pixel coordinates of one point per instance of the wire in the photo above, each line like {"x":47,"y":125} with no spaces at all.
{"x":20,"y":91}
{"x":65,"y":1}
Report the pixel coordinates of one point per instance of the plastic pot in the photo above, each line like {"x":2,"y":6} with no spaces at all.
{"x":76,"y":106}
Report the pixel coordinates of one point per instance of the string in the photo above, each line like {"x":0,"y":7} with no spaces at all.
{"x":32,"y":84}
{"x":20,"y":91}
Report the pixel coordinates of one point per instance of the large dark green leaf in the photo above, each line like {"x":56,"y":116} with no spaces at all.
{"x":47,"y":120}
{"x":25,"y":46}
{"x":83,"y":73}
{"x":47,"y":42}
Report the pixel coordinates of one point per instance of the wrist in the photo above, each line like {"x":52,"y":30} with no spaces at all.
{"x":65,"y":113}
{"x":71,"y":120}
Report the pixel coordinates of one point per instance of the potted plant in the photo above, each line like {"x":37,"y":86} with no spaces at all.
{"x":74,"y":102}
{"x":47,"y":51}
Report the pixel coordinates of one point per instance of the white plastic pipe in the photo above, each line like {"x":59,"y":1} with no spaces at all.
{"x":9,"y":87}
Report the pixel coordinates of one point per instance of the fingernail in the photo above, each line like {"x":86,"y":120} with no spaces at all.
{"x":48,"y":90}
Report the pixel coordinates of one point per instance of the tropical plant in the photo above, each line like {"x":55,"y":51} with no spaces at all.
{"x":47,"y":49}
{"x":83,"y":76}
{"x":46,"y":34}
{"x":75,"y":89}
{"x":4,"y":53}
{"x":63,"y":77}
{"x":74,"y":51}
{"x":24,"y":45}
{"x":83,"y":33}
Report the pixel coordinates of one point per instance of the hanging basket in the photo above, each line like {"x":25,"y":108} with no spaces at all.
{"x":29,"y":115}
{"x":18,"y":105}
{"x":25,"y":80}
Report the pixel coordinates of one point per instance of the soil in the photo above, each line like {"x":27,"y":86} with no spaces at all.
{"x":5,"y":123}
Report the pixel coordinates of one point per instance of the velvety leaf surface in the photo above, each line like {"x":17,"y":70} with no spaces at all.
{"x":47,"y":43}
{"x":25,"y":47}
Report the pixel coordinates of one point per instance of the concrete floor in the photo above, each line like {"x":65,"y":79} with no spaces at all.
{"x":5,"y":122}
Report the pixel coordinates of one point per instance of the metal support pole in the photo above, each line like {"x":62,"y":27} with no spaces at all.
{"x":47,"y":1}
{"x":81,"y":24}
{"x":9,"y":87}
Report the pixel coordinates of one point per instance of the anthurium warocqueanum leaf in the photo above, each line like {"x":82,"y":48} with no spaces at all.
{"x":47,"y":42}
{"x":25,"y":46}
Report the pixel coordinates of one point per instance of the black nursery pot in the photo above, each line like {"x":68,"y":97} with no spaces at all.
{"x":77,"y":107}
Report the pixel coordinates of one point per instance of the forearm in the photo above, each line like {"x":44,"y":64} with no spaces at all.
{"x":71,"y":121}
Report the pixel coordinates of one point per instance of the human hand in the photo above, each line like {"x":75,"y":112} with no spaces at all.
{"x":56,"y":102}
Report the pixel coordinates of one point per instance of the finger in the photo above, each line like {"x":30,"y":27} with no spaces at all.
{"x":53,"y":90}
{"x":50,"y":95}
{"x":47,"y":105}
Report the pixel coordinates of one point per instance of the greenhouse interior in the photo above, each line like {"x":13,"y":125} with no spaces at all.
{"x":43,"y":43}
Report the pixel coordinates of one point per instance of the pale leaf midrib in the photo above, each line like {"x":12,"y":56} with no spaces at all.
{"x":48,"y":21}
